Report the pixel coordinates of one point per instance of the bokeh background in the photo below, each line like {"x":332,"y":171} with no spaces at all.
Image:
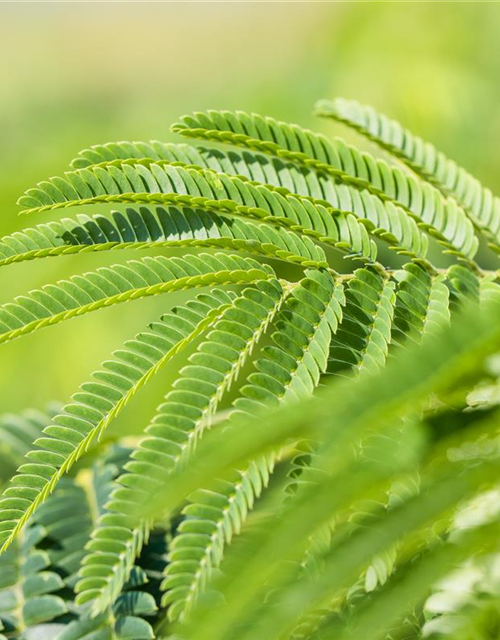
{"x":72,"y":75}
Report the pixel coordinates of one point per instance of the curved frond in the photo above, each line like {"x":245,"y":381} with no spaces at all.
{"x":70,"y":512}
{"x":155,"y":227}
{"x":156,"y":183}
{"x":391,"y":223}
{"x":125,"y":150}
{"x":120,"y":283}
{"x":179,"y":423}
{"x":383,"y":218}
{"x":288,"y":370}
{"x":37,"y":570}
{"x":97,"y":403}
{"x":351,"y":553}
{"x":324,"y":424}
{"x":444,"y":218}
{"x":464,"y":284}
{"x":425,"y":160}
{"x":405,"y":383}
{"x":360,"y":345}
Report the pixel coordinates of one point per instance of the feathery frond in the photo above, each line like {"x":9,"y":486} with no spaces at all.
{"x":120,"y":283}
{"x":287,"y":371}
{"x":179,"y":423}
{"x":290,"y":142}
{"x":95,"y":405}
{"x":327,"y":424}
{"x":159,"y":227}
{"x":424,"y":159}
{"x":391,"y":223}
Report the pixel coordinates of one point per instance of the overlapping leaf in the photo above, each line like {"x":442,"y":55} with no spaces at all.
{"x":429,"y":163}
{"x":121,"y":283}
{"x":178,"y":425}
{"x":97,"y":402}
{"x":447,"y":221}
{"x":350,"y":542}
{"x":287,"y":371}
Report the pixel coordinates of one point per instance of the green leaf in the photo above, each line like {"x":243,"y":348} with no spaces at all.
{"x":159,"y":183}
{"x":121,"y":283}
{"x":365,"y":333}
{"x":97,"y":403}
{"x":156,"y":227}
{"x":172,"y":436}
{"x":423,"y":158}
{"x":422,"y":303}
{"x":404,"y":382}
{"x":290,"y":142}
{"x":17,"y":432}
{"x":391,"y":223}
{"x":287,"y":371}
{"x":29,"y":588}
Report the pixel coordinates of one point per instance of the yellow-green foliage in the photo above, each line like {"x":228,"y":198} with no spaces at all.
{"x":305,"y":473}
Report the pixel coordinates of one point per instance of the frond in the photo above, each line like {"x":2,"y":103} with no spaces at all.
{"x":291,"y":142}
{"x":405,"y":382}
{"x":97,"y":403}
{"x":152,"y":183}
{"x":288,"y":370}
{"x":70,"y":513}
{"x":389,"y":222}
{"x":28,"y":587}
{"x":178,"y":425}
{"x":157,"y":227}
{"x":424,"y":159}
{"x":359,"y":346}
{"x":69,"y":516}
{"x":300,"y":478}
{"x":120,"y":283}
{"x":464,"y":284}
{"x":100,"y":153}
{"x":38,"y":569}
{"x":291,"y":368}
{"x":244,"y":582}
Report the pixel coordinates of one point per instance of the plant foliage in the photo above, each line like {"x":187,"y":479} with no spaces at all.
{"x":325,"y":463}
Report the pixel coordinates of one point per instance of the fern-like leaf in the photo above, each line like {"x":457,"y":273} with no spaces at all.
{"x":362,"y":340}
{"x":17,"y":433}
{"x":96,"y":403}
{"x":291,"y":142}
{"x":120,"y":283}
{"x":288,"y":370}
{"x":144,"y":181}
{"x":427,"y":162}
{"x":391,"y":223}
{"x":422,"y":303}
{"x":155,"y":227}
{"x":179,"y":423}
{"x":69,"y":516}
{"x":28,"y":587}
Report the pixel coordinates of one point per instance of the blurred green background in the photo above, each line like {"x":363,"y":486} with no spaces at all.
{"x":72,"y":75}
